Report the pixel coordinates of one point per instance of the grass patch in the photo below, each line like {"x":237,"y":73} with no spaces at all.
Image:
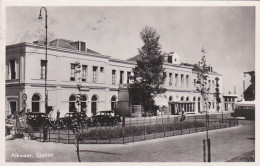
{"x":120,"y":132}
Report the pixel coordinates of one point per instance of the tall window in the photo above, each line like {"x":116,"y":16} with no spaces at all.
{"x":94,"y":73}
{"x":36,"y":103}
{"x":43,"y":67}
{"x":72,"y":103}
{"x":194,"y":83}
{"x":84,"y":72}
{"x":83,"y":102}
{"x":128,"y":76}
{"x":169,"y":58}
{"x":182,"y":80}
{"x":209,"y":84}
{"x":113,"y":103}
{"x":113,"y":77}
{"x":170,"y":77}
{"x":12,"y":69}
{"x":72,"y":72}
{"x":94,"y":105}
{"x":82,"y":46}
{"x":164,"y":75}
{"x":213,"y":85}
{"x":176,"y":80}
{"x":187,"y":80}
{"x":121,"y":77}
{"x":199,"y":104}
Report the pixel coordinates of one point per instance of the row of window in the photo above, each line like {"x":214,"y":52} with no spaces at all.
{"x":210,"y":84}
{"x":174,"y":79}
{"x":36,"y":100}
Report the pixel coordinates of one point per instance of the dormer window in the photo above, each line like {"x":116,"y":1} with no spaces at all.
{"x":79,"y":45}
{"x":170,"y":59}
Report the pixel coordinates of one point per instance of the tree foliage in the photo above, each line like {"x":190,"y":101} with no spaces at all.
{"x":148,"y":73}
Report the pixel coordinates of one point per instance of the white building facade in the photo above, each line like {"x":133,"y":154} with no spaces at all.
{"x":101,"y":78}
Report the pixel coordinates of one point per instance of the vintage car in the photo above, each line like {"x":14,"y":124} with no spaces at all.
{"x":37,"y":120}
{"x":73,"y":119}
{"x":108,"y":117}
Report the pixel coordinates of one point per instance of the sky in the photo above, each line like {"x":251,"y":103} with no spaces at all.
{"x":227,"y":33}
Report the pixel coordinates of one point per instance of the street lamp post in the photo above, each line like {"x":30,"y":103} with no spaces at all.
{"x":46,"y":59}
{"x":204,"y":90}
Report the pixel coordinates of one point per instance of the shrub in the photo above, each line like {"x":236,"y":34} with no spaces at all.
{"x":117,"y":132}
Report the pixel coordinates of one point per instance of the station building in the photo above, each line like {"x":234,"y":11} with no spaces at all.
{"x":103,"y":81}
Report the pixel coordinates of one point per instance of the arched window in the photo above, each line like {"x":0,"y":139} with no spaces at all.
{"x":72,"y":103}
{"x":194,"y":98}
{"x":83,"y":100}
{"x":170,"y":98}
{"x":113,"y":103}
{"x":94,"y":100}
{"x":135,"y":101}
{"x":182,"y":98}
{"x":36,"y":103}
{"x":187,"y":98}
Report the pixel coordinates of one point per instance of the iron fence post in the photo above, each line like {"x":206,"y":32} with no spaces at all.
{"x":196,"y":124}
{"x":204,"y":150}
{"x":209,"y":150}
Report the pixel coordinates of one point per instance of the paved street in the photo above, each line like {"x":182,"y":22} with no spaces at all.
{"x":226,"y":144}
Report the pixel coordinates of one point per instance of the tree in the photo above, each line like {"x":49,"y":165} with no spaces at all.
{"x":148,"y":73}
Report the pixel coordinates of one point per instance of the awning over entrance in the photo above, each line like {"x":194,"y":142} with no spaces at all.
{"x":161,"y":100}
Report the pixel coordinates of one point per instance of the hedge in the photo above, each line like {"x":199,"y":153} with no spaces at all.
{"x":117,"y":132}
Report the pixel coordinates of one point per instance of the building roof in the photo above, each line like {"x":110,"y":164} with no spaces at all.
{"x":62,"y":43}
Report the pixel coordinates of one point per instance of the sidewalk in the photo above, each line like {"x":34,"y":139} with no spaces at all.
{"x":226,"y":144}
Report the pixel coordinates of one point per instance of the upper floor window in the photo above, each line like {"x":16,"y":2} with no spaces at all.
{"x":113,"y":77}
{"x":182,"y":80}
{"x":176,"y":80}
{"x":84,"y":72}
{"x":170,"y":77}
{"x":187,"y":80}
{"x":82,"y":46}
{"x":43,"y":69}
{"x":94,"y":73}
{"x":72,"y":72}
{"x":164,"y":75}
{"x":12,"y":69}
{"x":169,"y":58}
{"x":128,"y":76}
{"x":121,"y":77}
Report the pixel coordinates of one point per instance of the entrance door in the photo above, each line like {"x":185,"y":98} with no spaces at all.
{"x":13,"y":106}
{"x":173,"y":112}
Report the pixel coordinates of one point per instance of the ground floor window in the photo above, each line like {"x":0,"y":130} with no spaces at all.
{"x":113,"y":103}
{"x":83,"y":103}
{"x":72,"y":103}
{"x":36,"y":103}
{"x":94,"y":100}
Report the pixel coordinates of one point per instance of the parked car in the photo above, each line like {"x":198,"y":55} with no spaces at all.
{"x":108,"y":117}
{"x":73,"y":119}
{"x":37,"y":120}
